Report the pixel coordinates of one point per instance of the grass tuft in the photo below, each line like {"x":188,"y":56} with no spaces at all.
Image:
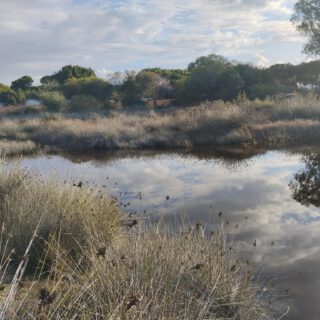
{"x":89,"y":264}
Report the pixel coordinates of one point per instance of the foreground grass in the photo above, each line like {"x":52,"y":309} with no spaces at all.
{"x":64,"y":209}
{"x":242,"y":123}
{"x":89,"y":263}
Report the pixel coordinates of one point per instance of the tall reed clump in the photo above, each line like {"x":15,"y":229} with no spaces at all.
{"x":65,"y":210}
{"x":89,"y":262}
{"x":149,"y":274}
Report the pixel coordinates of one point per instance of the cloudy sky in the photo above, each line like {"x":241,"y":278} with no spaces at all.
{"x":39,"y":36}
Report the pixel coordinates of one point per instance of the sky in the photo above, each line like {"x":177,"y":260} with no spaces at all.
{"x":38,"y":37}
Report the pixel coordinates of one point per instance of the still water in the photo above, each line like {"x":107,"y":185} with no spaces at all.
{"x":252,"y":191}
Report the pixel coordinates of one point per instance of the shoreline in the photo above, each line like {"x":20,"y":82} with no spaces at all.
{"x":246,"y":125}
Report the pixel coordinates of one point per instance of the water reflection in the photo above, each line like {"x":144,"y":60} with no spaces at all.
{"x":306,"y":183}
{"x":251,"y":191}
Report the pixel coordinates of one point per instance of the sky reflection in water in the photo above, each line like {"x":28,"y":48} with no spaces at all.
{"x":253,"y":195}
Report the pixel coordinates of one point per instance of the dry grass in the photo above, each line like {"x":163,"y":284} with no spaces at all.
{"x":11,"y":148}
{"x":67,"y":210}
{"x":90,"y":267}
{"x":149,"y":274}
{"x":242,"y":122}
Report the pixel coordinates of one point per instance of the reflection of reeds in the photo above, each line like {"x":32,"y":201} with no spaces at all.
{"x":90,"y":265}
{"x":270,"y":122}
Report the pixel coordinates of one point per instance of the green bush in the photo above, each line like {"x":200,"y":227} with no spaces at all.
{"x":13,"y":97}
{"x":84,"y":102}
{"x":98,"y":88}
{"x":54,"y":101}
{"x":23,"y":83}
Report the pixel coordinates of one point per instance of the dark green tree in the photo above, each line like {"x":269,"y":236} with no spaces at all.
{"x":69,"y":72}
{"x":98,"y":88}
{"x":306,"y":183}
{"x":23,"y":83}
{"x":308,"y":73}
{"x":129,"y":90}
{"x":210,"y":61}
{"x":307,"y":20}
{"x":212,"y":78}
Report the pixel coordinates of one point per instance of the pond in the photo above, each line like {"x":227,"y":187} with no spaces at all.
{"x":269,"y":203}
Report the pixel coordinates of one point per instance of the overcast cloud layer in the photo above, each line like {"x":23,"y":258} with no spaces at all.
{"x":39,"y":36}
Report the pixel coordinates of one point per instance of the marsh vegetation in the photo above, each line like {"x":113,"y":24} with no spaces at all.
{"x":67,"y":251}
{"x":242,"y":123}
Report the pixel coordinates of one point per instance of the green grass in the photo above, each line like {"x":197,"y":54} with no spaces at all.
{"x":90,"y":262}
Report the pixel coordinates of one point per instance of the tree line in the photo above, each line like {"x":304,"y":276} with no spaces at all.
{"x":211,"y":77}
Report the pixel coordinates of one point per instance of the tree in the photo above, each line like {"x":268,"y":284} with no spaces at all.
{"x":84,"y":102}
{"x":99,"y":88}
{"x":307,"y":20}
{"x":68,"y":72}
{"x":173,"y":75}
{"x":212,"y":60}
{"x":129,"y":90}
{"x":23,"y":83}
{"x":212,"y":78}
{"x":308,"y":73}
{"x":151,"y":84}
{"x":306,"y":183}
{"x":4,"y":88}
{"x":117,"y":78}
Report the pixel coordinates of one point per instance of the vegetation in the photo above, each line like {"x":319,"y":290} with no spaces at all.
{"x":81,"y":102}
{"x":54,"y":101}
{"x":306,"y":183}
{"x":208,"y":78}
{"x":307,"y":20}
{"x":68,"y":72}
{"x":98,"y":88}
{"x":12,"y":147}
{"x":245,"y":123}
{"x":11,"y":97}
{"x":90,"y":262}
{"x":23,"y":83}
{"x":67,"y":211}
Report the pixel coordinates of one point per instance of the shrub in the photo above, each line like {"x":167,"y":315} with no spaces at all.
{"x":84,"y":102}
{"x":13,"y":98}
{"x":4,"y":88}
{"x":98,"y":88}
{"x":54,"y":101}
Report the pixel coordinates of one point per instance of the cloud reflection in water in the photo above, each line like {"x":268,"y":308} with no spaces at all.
{"x":254,"y":196}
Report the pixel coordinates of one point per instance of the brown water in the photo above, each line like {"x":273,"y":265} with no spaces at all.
{"x":251,"y":191}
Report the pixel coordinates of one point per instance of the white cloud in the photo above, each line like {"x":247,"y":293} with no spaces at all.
{"x":261,"y":60}
{"x":38,"y":37}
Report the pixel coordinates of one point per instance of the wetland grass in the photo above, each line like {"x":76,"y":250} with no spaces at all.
{"x":67,"y":253}
{"x":244,"y":123}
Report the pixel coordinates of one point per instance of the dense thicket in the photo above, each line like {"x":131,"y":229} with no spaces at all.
{"x":211,"y":77}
